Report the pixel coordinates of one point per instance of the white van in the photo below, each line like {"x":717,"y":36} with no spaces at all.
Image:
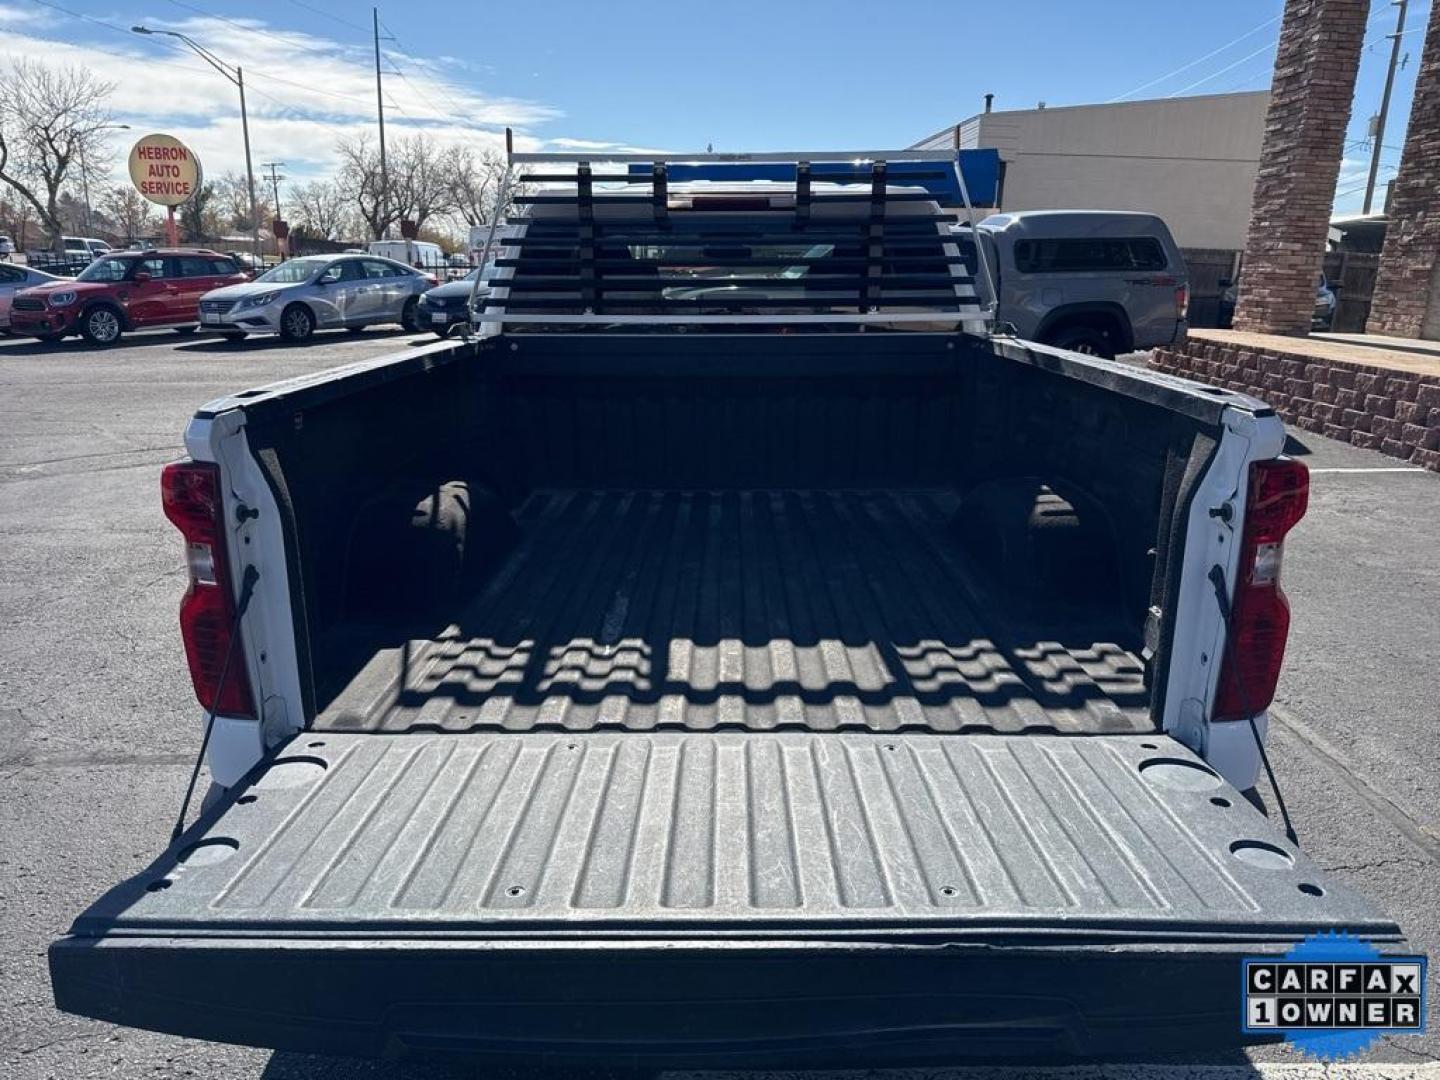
{"x":84,"y":247}
{"x":418,"y":253}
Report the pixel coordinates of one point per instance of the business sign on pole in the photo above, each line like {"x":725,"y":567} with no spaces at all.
{"x":165,"y":170}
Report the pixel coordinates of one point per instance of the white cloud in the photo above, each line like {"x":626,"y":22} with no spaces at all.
{"x":11,"y":16}
{"x":583,"y":145}
{"x":593,"y":146}
{"x":303,"y":92}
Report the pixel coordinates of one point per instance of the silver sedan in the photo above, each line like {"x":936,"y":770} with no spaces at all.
{"x":317,"y":292}
{"x":13,"y":278}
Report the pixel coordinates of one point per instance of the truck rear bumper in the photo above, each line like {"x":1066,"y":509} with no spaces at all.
{"x":665,"y":1003}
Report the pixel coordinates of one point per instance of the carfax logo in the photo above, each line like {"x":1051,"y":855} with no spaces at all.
{"x":1333,"y":995}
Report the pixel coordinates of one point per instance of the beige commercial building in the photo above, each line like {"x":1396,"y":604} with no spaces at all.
{"x":1192,"y":160}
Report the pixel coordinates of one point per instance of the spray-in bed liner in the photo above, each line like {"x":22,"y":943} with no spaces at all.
{"x":740,"y":610}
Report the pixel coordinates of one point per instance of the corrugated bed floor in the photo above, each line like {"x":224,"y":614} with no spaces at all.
{"x":774,"y":610}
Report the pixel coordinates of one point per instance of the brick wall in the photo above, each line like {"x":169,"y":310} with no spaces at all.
{"x":1395,"y":412}
{"x":1314,"y":82}
{"x":1407,"y":291}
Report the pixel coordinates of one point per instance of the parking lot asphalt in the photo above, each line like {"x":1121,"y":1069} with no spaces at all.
{"x":98,"y":723}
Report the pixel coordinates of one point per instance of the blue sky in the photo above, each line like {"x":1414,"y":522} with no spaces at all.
{"x":741,"y":74}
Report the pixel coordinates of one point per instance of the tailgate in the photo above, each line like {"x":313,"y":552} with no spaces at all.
{"x":713,"y":898}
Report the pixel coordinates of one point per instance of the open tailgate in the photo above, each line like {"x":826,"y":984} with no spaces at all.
{"x":719,"y":899}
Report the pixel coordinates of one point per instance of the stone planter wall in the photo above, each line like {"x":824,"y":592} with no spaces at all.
{"x":1395,"y":412}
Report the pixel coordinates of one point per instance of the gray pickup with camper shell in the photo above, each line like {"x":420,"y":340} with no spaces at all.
{"x":1102,"y":282}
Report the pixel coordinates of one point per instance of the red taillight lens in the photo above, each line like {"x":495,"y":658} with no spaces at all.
{"x":1182,"y":301}
{"x":1279,"y":497}
{"x":1260,"y":614}
{"x":432,"y":279}
{"x":190,"y":494}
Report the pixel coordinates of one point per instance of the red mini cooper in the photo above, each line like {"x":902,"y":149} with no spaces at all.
{"x":130,"y":290}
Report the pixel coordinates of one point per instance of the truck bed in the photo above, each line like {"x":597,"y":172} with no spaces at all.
{"x":746,"y":610}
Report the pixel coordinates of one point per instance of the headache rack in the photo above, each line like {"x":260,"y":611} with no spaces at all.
{"x":774,"y":238}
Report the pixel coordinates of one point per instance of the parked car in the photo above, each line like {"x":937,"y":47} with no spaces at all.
{"x":1322,"y":318}
{"x":7,"y":248}
{"x":248,"y":260}
{"x":84,"y":247}
{"x":446,"y":306}
{"x":829,"y":688}
{"x":124,"y":291}
{"x":15,"y":278}
{"x":318,"y":292}
{"x":419,"y":254}
{"x":1093,"y":281}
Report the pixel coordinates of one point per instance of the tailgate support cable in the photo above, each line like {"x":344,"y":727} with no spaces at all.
{"x":1217,"y":579}
{"x":247,"y":590}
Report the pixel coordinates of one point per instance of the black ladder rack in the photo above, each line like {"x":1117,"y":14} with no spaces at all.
{"x":631,"y":247}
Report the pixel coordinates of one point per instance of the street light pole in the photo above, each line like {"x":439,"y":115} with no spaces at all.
{"x":237,"y":78}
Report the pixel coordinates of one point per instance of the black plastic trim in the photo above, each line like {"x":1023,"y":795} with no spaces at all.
{"x":665,"y":1004}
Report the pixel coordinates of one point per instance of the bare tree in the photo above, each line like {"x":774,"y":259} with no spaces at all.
{"x":51,"y":120}
{"x":133,"y":214}
{"x":474,"y":178}
{"x":322,"y":209}
{"x":232,"y":201}
{"x":359,"y":180}
{"x":200,"y":219}
{"x":418,"y":185}
{"x":17,"y":219}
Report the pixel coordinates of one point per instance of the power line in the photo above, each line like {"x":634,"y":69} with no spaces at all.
{"x":1200,"y":60}
{"x":1361,"y":187}
{"x":439,"y":114}
{"x":1228,"y":67}
{"x":231,"y":22}
{"x":284,"y":41}
{"x":331,"y":15}
{"x":289,"y":109}
{"x":1258,"y":77}
{"x":437,"y":82}
{"x":1257,"y":52}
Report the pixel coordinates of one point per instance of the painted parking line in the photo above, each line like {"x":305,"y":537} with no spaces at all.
{"x":1377,"y":469}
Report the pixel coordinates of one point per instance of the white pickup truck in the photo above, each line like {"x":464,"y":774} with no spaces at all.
{"x":729,"y":654}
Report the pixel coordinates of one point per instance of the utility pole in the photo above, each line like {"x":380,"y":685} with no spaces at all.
{"x":1385,"y":103}
{"x":275,"y":179}
{"x":380,"y":108}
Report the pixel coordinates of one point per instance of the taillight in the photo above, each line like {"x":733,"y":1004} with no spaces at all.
{"x":432,"y":279}
{"x":1182,"y":301}
{"x":190,"y":493}
{"x":1260,"y":614}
